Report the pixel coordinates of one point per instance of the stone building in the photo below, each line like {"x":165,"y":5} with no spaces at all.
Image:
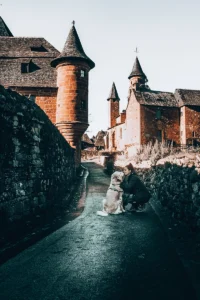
{"x":152,"y":115}
{"x":57,"y":82}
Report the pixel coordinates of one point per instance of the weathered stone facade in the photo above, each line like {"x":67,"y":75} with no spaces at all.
{"x":37,"y":165}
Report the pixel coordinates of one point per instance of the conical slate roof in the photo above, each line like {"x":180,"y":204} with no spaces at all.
{"x":137,"y":70}
{"x":72,"y":50}
{"x":4,"y":30}
{"x":113,"y":94}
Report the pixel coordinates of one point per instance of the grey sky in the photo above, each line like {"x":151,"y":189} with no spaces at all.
{"x":165,"y":32}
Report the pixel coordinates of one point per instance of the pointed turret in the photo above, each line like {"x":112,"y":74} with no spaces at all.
{"x":73,"y":67}
{"x":4,"y":30}
{"x":73,"y":50}
{"x":137,"y":71}
{"x":113,"y":106}
{"x":113,"y":94}
{"x":137,"y":77}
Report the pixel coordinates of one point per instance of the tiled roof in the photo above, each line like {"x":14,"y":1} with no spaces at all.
{"x":188,"y":97}
{"x":43,"y":76}
{"x":26,"y":47}
{"x":157,"y":98}
{"x":86,"y":139}
{"x":72,"y":50}
{"x":113,"y":93}
{"x":137,"y":70}
{"x":15,"y":51}
{"x":4,"y":30}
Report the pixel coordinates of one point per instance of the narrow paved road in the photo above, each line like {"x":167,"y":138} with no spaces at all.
{"x":94,"y":258}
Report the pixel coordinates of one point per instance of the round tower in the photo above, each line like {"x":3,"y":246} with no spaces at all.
{"x":73,"y":67}
{"x":113,"y":106}
{"x":137,"y":76}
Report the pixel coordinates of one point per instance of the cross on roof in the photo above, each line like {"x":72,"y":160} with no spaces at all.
{"x":136,"y":50}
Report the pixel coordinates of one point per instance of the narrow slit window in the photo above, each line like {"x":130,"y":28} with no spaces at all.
{"x":83,"y":105}
{"x":82,"y":73}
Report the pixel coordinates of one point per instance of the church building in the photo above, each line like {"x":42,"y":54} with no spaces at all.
{"x":152,"y":115}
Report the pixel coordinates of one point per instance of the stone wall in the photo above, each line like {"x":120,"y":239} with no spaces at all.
{"x":37,"y":166}
{"x":176,"y":184}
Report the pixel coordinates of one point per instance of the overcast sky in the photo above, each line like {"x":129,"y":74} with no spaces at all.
{"x":166,"y":33}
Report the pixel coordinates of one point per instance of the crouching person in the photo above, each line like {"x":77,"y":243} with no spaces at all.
{"x":135,"y":193}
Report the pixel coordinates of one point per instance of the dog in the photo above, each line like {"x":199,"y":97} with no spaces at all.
{"x":113,"y":202}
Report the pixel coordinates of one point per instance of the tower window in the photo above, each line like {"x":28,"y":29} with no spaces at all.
{"x":83,"y":104}
{"x":193,"y":133}
{"x":82,"y":73}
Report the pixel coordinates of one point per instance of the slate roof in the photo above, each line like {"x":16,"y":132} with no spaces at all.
{"x":4,"y":30}
{"x":72,"y":50}
{"x":15,"y":51}
{"x":137,"y":70}
{"x":99,"y":141}
{"x":113,"y":93}
{"x":157,"y":98}
{"x":86,"y":139}
{"x":21,"y":47}
{"x":188,"y":97}
{"x":10,"y":73}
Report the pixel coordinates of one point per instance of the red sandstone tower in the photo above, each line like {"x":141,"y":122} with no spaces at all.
{"x":137,"y":77}
{"x":113,"y":106}
{"x":73,"y":67}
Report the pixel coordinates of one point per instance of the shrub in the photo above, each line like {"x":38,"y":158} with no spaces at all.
{"x":154,"y":152}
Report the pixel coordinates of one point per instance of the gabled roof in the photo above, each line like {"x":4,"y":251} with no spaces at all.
{"x":137,"y":70}
{"x":113,"y":93}
{"x":86,"y":139}
{"x":157,"y":98}
{"x":72,"y":50}
{"x":4,"y":30}
{"x":188,"y":97}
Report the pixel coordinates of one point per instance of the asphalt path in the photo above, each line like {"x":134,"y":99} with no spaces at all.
{"x":125,"y":256}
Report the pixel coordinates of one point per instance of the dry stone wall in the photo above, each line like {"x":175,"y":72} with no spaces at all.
{"x":175,"y":182}
{"x":37,"y":165}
